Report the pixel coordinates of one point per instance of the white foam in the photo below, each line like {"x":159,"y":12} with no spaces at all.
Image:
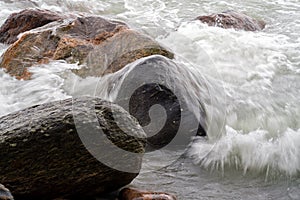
{"x":257,"y":150}
{"x":45,"y":86}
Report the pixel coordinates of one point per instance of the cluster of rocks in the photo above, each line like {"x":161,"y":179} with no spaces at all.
{"x":42,"y":155}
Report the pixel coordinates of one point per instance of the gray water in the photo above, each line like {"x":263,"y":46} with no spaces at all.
{"x":253,"y":84}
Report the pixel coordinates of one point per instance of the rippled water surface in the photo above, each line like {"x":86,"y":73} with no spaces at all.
{"x":253,"y":84}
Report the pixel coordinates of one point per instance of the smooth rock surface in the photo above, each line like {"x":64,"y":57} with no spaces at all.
{"x":43,"y":156}
{"x":232,"y":19}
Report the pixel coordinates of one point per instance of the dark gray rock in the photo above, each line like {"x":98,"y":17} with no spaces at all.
{"x":62,"y":149}
{"x":159,"y":81}
{"x":111,"y":43}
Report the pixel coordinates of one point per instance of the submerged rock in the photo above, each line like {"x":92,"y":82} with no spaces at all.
{"x":56,"y":150}
{"x":102,"y":45}
{"x":232,"y":19}
{"x":24,"y":21}
{"x":5,"y":193}
{"x":134,"y":194}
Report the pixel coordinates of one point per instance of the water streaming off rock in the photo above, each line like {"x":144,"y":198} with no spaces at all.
{"x":252,"y":92}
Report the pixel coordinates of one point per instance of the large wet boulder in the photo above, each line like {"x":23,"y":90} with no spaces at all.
{"x":5,"y":193}
{"x":24,"y":21}
{"x":166,"y":98}
{"x":73,"y":148}
{"x":79,"y":40}
{"x":232,"y":19}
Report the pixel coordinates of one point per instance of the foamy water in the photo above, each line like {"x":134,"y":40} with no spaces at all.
{"x":46,"y":86}
{"x":252,"y":97}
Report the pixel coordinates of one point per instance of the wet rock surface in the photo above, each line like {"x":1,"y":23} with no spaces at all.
{"x":134,"y":194}
{"x":232,"y":19}
{"x":102,"y":45}
{"x":42,"y":155}
{"x":158,"y":81}
{"x":24,"y":21}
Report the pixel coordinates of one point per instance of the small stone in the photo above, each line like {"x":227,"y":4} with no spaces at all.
{"x":24,"y":21}
{"x":134,"y":194}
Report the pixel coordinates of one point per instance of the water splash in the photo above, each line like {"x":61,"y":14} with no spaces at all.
{"x":45,"y":86}
{"x":257,"y":150}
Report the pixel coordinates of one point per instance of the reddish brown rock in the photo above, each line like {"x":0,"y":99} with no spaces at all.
{"x":120,"y":50}
{"x":24,"y":21}
{"x":23,"y":54}
{"x":5,"y":193}
{"x":232,"y":19}
{"x":104,"y":46}
{"x":133,"y":194}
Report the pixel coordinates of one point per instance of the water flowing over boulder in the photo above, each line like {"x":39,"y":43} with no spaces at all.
{"x":43,"y":156}
{"x":76,"y":40}
{"x":24,"y":21}
{"x":232,"y":19}
{"x":165,"y":98}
